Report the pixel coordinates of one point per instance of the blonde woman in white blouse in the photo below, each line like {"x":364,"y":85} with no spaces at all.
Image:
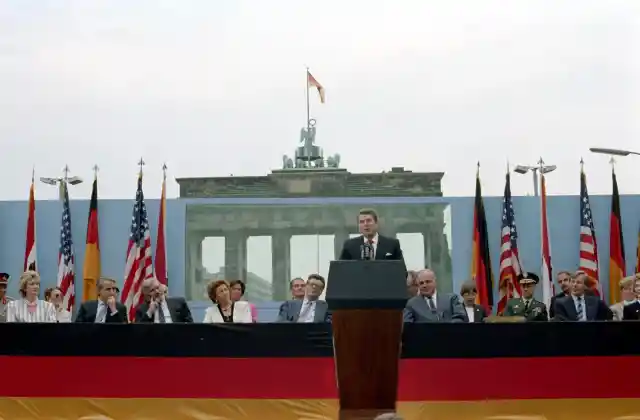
{"x":224,"y":309}
{"x":30,"y":308}
{"x":53,"y":295}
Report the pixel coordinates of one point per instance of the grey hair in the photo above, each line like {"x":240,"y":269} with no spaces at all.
{"x":102,"y":280}
{"x":148,"y":283}
{"x":388,"y":416}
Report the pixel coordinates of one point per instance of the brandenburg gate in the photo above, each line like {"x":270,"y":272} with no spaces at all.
{"x":306,"y":176}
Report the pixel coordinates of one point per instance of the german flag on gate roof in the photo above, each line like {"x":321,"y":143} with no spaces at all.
{"x":480,"y":258}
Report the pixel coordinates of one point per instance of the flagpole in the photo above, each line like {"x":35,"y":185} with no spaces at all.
{"x":307,"y":124}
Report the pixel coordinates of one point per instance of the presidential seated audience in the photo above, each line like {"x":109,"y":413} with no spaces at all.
{"x":30,"y":308}
{"x":105,"y":309}
{"x":310,"y":309}
{"x":54,"y":296}
{"x":627,"y":296}
{"x":237,"y":293}
{"x":297,"y":287}
{"x":157,"y":307}
{"x":472,"y":311}
{"x":412,"y":284}
{"x":4,"y":299}
{"x":431,"y":306}
{"x":527,"y":306}
{"x":224,"y":309}
{"x":580,"y":306}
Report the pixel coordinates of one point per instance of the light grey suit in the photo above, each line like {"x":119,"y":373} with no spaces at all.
{"x":448,"y":309}
{"x":290,"y":311}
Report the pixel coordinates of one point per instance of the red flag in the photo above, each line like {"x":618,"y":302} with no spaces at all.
{"x":161,"y":252}
{"x":30,"y":255}
{"x":481,"y":260}
{"x":138,"y":266}
{"x":545,"y":251}
{"x":616,"y":245}
{"x":312,"y":82}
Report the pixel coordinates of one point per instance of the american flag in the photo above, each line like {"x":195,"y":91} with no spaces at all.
{"x":588,"y":244}
{"x":66,"y":260}
{"x":510,"y":268}
{"x":139,"y":264}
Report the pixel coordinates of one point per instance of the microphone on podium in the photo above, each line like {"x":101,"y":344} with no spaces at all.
{"x":366,"y":252}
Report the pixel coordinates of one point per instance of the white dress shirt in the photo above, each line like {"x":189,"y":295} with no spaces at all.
{"x":584,"y":306}
{"x":307,"y":311}
{"x":18,"y":311}
{"x":165,"y":313}
{"x":471,"y":313}
{"x":434,"y":300}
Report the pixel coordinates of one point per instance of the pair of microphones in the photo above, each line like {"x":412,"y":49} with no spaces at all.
{"x":366,"y":251}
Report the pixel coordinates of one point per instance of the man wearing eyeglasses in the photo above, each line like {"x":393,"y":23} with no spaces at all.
{"x":310,"y":309}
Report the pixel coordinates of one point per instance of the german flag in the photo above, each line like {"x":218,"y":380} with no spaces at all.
{"x":250,"y":377}
{"x":480,"y":257}
{"x":616,"y":245}
{"x":91,"y":266}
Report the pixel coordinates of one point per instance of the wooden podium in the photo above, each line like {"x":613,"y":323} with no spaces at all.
{"x":366,"y":299}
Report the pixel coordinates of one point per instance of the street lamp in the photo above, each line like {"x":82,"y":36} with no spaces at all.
{"x":614,"y":152}
{"x":544,"y":169}
{"x":60,"y":181}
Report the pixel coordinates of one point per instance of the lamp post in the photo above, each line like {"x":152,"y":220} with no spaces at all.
{"x":61,"y":181}
{"x":540,"y":167}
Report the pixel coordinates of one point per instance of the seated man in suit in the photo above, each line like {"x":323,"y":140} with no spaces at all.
{"x":158,"y":308}
{"x":580,"y":306}
{"x":431,"y":306}
{"x":310,"y":309}
{"x":382,"y":247}
{"x":526,"y":306}
{"x":106,"y":308}
{"x":472,"y":311}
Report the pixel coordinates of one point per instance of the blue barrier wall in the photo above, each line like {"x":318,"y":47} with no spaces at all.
{"x":115,"y":220}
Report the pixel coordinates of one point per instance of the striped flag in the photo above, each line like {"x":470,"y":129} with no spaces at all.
{"x":66,"y":259}
{"x":481,"y":259}
{"x":510,"y":267}
{"x":91,"y":266}
{"x":547,"y":277}
{"x":161,"y":252}
{"x":30,"y":254}
{"x":616,"y":245}
{"x":138,"y":265}
{"x":588,"y":245}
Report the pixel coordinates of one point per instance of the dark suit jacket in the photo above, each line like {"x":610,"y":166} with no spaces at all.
{"x":448,"y":309}
{"x":290,"y":311}
{"x":386,"y":249}
{"x":537,"y":310}
{"x":178,"y":308}
{"x":89,"y":309}
{"x":479,"y":314}
{"x":631,"y":312}
{"x":552,"y":312}
{"x":595,"y":308}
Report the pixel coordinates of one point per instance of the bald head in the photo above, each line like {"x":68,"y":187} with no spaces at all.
{"x":426,"y":282}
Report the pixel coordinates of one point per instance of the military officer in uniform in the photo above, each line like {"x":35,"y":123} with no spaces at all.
{"x":4,"y":299}
{"x":526,"y":306}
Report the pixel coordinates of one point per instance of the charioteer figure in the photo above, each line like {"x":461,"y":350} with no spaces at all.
{"x":4,"y":299}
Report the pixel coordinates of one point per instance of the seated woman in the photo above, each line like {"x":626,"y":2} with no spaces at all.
{"x":53,"y":295}
{"x":30,"y":308}
{"x":237,"y":292}
{"x":224,"y":309}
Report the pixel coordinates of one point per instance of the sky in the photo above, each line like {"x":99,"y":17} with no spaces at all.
{"x":218,"y":88}
{"x":214,"y":88}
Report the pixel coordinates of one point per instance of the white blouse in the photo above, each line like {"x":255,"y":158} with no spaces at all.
{"x":18,"y":311}
{"x":241,"y":314}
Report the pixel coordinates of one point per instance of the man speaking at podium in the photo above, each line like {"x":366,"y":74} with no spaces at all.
{"x":371,"y":245}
